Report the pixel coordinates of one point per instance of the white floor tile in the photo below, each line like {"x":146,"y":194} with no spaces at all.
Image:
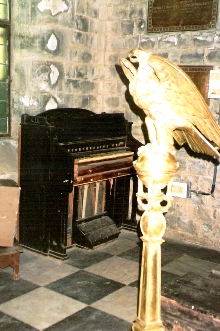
{"x":38,"y":272}
{"x":116,"y":268}
{"x":185,"y":264}
{"x":41,"y":308}
{"x":122,"y":303}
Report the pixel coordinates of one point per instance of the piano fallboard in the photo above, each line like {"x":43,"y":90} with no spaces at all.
{"x":102,"y":167}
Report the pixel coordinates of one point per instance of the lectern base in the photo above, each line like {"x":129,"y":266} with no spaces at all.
{"x":139,"y":326}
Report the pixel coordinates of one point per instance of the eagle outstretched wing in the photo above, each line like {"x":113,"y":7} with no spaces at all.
{"x":167,"y":94}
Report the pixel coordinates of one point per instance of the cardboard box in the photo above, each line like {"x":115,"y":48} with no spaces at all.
{"x":9,"y":206}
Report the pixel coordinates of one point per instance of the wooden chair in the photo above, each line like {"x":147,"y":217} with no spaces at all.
{"x":10,"y":256}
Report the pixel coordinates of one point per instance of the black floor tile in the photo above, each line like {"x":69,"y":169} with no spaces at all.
{"x":167,"y":278}
{"x":195,"y":291}
{"x":135,"y":284}
{"x":167,"y":256}
{"x":8,"y":323}
{"x":175,"y":248}
{"x":133,"y":254}
{"x":206,"y":254}
{"x":82,"y":258}
{"x":199,"y":252}
{"x":92,"y":320}
{"x":10,"y":288}
{"x":85,"y":286}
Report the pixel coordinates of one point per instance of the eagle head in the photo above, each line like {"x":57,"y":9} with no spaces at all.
{"x":138,"y":55}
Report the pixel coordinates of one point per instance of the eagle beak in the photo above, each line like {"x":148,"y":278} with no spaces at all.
{"x":133,"y":55}
{"x":138,"y":55}
{"x":128,"y":68}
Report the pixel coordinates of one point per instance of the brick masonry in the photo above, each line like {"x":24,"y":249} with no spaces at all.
{"x":65,"y":54}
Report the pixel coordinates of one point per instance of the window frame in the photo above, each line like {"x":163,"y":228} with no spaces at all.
{"x":6,"y":24}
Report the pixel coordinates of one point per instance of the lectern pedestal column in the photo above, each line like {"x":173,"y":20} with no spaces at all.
{"x":155,"y":172}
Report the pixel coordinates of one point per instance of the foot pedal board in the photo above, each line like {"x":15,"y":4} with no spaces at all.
{"x":94,"y":232}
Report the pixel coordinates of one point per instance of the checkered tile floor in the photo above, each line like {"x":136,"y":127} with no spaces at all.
{"x":94,"y":290}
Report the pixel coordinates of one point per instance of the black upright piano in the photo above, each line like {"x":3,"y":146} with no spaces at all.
{"x":70,"y":161}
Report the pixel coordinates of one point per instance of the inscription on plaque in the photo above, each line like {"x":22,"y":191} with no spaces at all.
{"x":200,"y":77}
{"x":180,"y":15}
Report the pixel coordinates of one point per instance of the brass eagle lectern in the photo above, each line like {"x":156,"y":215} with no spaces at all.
{"x":175,"y":110}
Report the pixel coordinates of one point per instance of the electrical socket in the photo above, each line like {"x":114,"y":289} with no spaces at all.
{"x":179,"y":190}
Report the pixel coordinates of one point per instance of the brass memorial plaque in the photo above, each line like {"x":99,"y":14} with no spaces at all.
{"x":180,"y":15}
{"x":200,"y":77}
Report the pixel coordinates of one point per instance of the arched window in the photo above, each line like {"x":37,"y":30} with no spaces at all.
{"x":4,"y":67}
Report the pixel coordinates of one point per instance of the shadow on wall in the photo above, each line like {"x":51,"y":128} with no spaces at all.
{"x":133,"y":107}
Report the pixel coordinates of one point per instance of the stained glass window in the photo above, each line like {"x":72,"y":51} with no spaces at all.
{"x":4,"y":67}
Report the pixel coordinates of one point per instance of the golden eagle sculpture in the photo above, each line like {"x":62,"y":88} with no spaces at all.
{"x":174,"y":107}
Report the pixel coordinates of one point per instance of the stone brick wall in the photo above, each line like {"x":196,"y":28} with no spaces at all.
{"x":65,"y":54}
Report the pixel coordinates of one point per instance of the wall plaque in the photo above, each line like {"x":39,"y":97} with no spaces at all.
{"x":200,"y":77}
{"x":180,"y":15}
